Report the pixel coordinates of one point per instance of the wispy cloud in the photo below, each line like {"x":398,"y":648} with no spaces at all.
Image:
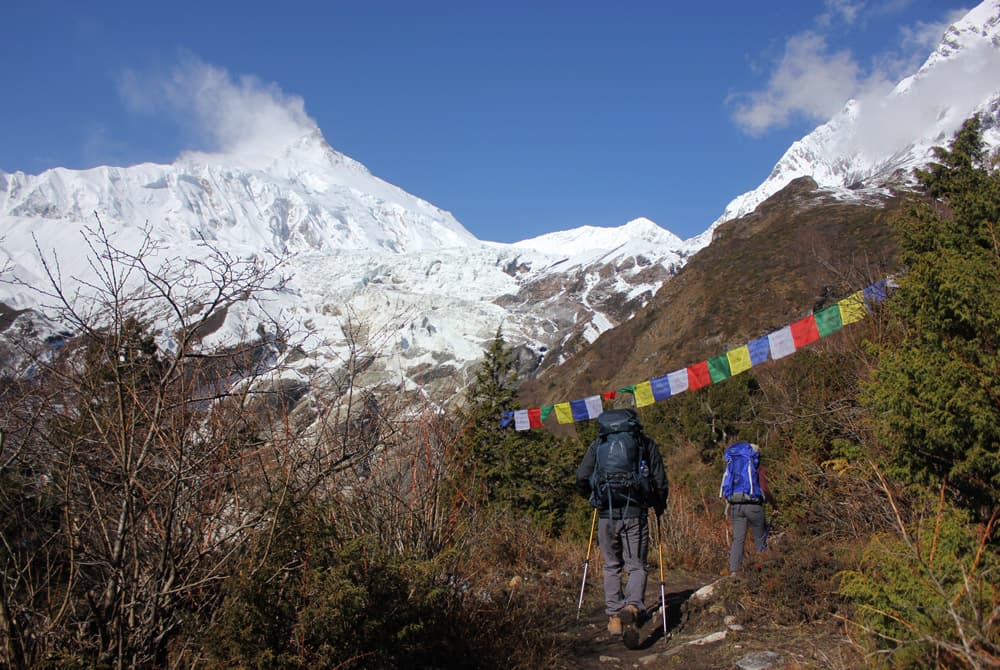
{"x":229,"y":115}
{"x":813,"y":81}
{"x":840,"y":10}
{"x":939,"y":101}
{"x":810,"y":81}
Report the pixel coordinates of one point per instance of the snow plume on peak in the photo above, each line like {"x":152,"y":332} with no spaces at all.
{"x":244,"y":118}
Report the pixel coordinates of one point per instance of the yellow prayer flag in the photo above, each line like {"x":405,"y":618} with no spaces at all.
{"x":564,"y":413}
{"x":739,"y":359}
{"x":644,"y":394}
{"x":852,"y":308}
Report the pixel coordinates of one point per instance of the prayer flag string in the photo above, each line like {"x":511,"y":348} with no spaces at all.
{"x":775,"y":345}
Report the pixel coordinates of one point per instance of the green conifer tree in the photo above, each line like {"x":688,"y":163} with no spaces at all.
{"x":491,"y":393}
{"x":936,"y":390}
{"x":526,"y":472}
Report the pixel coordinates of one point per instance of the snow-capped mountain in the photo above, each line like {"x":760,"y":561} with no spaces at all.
{"x":875,"y":142}
{"x":359,"y":250}
{"x":307,"y":197}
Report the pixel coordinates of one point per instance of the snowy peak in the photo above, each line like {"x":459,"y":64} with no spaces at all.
{"x":877,"y":140}
{"x":307,"y":197}
{"x":587,"y":240}
{"x":359,"y":249}
{"x":979,"y":27}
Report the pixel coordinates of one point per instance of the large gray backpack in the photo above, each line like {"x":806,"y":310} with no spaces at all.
{"x":621,"y":468}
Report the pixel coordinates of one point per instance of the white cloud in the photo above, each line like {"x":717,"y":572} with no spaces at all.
{"x":813,"y":82}
{"x":938,"y":102}
{"x":846,"y":10}
{"x":244,"y":116}
{"x":809,"y":81}
{"x":925,"y":35}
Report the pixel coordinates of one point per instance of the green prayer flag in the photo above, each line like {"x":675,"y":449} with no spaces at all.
{"x":718,"y":368}
{"x":828,"y":320}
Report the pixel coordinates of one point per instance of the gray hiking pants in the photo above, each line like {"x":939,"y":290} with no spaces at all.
{"x":744,"y":515}
{"x":624,"y":543}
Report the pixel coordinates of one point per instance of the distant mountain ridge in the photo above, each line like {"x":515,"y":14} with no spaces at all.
{"x":309,"y":197}
{"x":363,"y":249}
{"x":358,"y":247}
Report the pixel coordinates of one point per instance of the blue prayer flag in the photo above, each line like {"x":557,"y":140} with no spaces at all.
{"x":876,"y":292}
{"x":661,"y":387}
{"x":759,"y":350}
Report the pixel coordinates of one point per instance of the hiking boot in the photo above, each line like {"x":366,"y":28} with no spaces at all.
{"x":630,"y":626}
{"x":615,"y":625}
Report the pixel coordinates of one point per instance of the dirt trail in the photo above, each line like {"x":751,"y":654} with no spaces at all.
{"x":714,"y":633}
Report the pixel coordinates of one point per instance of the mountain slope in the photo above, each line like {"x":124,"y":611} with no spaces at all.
{"x":801,"y":249}
{"x":356,"y":249}
{"x":307,"y":197}
{"x":360,"y":250}
{"x":814,"y":230}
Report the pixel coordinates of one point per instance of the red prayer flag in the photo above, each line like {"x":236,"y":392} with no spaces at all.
{"x":610,"y":395}
{"x":698,"y":376}
{"x":804,"y":331}
{"x":535,"y":417}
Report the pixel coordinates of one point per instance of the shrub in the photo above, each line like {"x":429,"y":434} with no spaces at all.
{"x":926,"y":594}
{"x":307,"y":598}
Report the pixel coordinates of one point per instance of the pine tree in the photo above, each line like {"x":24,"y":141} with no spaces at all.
{"x":526,"y":472}
{"x":936,"y":390}
{"x":491,"y":393}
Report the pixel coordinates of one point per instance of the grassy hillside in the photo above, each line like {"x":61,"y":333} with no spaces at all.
{"x":799,"y":250}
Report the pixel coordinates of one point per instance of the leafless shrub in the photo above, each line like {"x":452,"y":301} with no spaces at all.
{"x":135,"y":468}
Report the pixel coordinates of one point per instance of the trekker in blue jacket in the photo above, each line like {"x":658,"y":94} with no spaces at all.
{"x":745,"y":489}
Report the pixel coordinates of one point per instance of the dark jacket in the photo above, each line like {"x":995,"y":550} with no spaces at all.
{"x":658,"y":477}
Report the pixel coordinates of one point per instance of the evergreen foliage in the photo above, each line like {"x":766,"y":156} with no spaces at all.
{"x":929,"y":594}
{"x":936,"y":390}
{"x":925,"y":592}
{"x":491,"y":393}
{"x":527,"y":472}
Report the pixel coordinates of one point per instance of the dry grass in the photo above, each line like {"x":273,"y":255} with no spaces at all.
{"x":695,"y":532}
{"x":518,"y":583}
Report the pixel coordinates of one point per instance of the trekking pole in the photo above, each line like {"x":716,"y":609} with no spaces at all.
{"x":663,"y":588}
{"x":586,"y":563}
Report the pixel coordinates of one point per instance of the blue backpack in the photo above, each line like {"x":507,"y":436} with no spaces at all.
{"x":740,"y":481}
{"x":620,"y":476}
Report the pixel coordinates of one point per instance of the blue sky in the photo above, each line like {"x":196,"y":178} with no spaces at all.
{"x":521,"y":118}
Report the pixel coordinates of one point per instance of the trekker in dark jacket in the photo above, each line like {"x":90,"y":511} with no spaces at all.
{"x":623,"y":529}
